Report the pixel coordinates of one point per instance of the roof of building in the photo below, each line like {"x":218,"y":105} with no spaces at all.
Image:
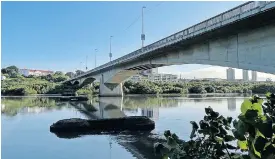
{"x":45,"y":71}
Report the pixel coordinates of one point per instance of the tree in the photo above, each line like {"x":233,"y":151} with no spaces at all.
{"x":4,"y":71}
{"x":196,"y":89}
{"x":10,"y":68}
{"x":59,"y":73}
{"x":210,"y":89}
{"x":60,"y":78}
{"x":79,"y":72}
{"x":13,"y":74}
{"x":70,"y":74}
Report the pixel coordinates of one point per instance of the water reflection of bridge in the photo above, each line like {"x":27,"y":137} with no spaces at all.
{"x":115,"y":107}
{"x":141,"y":146}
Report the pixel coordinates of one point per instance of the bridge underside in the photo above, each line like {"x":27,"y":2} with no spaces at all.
{"x":247,"y":44}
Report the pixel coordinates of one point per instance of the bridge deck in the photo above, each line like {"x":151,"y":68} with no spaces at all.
{"x":241,"y":15}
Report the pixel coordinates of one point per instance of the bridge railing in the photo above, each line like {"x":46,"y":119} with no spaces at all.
{"x":239,"y":12}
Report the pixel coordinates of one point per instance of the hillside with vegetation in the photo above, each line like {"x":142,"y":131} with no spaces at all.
{"x":17,"y":84}
{"x":195,"y":87}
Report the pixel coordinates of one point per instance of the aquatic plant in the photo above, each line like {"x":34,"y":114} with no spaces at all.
{"x":253,"y":134}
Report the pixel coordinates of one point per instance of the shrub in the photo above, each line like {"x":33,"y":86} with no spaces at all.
{"x":219,"y":91}
{"x":212,"y":138}
{"x":196,"y":89}
{"x":210,"y":89}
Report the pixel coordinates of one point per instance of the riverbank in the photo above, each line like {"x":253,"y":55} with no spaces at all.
{"x":201,"y":87}
{"x":18,"y":85}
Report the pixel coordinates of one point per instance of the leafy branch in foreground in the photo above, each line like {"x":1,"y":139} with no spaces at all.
{"x":214,"y":137}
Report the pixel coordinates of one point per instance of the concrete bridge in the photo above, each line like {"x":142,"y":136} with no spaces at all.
{"x":243,"y":37}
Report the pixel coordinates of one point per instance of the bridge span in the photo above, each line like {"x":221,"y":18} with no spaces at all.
{"x":243,"y":37}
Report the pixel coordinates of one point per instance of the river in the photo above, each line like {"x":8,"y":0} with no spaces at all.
{"x":26,"y":122}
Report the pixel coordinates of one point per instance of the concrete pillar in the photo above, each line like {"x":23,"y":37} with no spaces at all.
{"x":111,"y":107}
{"x":105,"y":91}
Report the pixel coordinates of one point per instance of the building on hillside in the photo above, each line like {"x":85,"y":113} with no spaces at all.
{"x":254,"y":75}
{"x":212,"y":79}
{"x":150,"y":71}
{"x":163,"y":78}
{"x":3,"y":77}
{"x":27,"y":72}
{"x":154,"y":78}
{"x":230,"y":74}
{"x":245,"y":75}
{"x":138,"y":78}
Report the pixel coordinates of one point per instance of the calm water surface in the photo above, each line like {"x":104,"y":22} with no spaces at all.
{"x":26,"y":122}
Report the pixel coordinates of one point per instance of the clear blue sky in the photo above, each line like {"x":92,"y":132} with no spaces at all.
{"x":59,"y":35}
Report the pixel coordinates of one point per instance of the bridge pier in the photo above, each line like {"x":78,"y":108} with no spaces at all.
{"x":107,"y":92}
{"x":113,"y":90}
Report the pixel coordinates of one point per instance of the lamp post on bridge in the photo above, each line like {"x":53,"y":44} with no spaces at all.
{"x":95,"y":57}
{"x":86,"y":62}
{"x":80,"y":65}
{"x":142,"y":28}
{"x":110,"y":54}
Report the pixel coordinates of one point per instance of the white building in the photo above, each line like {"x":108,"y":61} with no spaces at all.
{"x":27,"y":72}
{"x":245,"y":75}
{"x":163,"y":78}
{"x":230,"y":74}
{"x":155,"y":78}
{"x":150,"y":71}
{"x":138,"y":78}
{"x":3,"y":77}
{"x":254,"y":75}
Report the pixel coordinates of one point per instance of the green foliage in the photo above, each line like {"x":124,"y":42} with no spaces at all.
{"x":38,"y":85}
{"x":12,"y":68}
{"x":4,"y":71}
{"x":13,"y":105}
{"x":148,"y":87}
{"x":210,"y":89}
{"x":87,"y":90}
{"x":59,"y":73}
{"x":57,"y":77}
{"x":78,"y":72}
{"x":25,"y":86}
{"x":70,"y":74}
{"x":254,"y":132}
{"x":140,"y":88}
{"x":198,"y":87}
{"x":16,"y":84}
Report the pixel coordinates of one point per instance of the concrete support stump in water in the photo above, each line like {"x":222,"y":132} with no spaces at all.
{"x":83,"y":126}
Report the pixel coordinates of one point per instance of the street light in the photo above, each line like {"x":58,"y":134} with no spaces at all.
{"x":110,"y":54}
{"x":95,"y":57}
{"x":80,"y":65}
{"x":86,"y":62}
{"x":142,"y":28}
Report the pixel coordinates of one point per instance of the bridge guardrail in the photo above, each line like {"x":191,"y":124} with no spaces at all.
{"x":224,"y":18}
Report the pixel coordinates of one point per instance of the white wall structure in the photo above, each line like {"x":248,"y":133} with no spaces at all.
{"x":27,"y":72}
{"x":254,"y":75}
{"x":230,"y":74}
{"x":163,"y":77}
{"x":243,"y":37}
{"x":245,"y":75}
